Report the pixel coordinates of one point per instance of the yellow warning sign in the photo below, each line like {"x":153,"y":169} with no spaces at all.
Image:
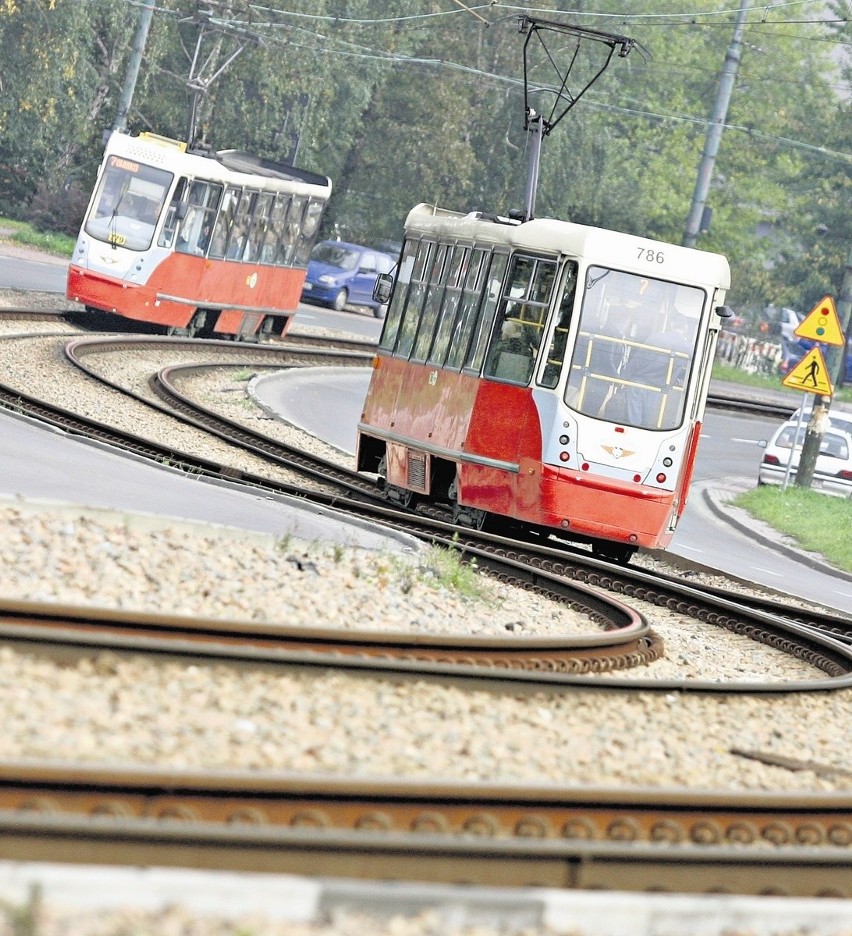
{"x":810,"y":375}
{"x":822,"y":323}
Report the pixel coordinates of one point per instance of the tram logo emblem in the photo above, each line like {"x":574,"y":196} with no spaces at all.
{"x":433,"y":378}
{"x":617,"y":451}
{"x":251,"y":281}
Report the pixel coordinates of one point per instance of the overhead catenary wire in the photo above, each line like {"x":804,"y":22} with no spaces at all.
{"x":343,"y":47}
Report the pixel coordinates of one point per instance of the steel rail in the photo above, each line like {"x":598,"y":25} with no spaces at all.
{"x":634,"y":839}
{"x":506,"y":659}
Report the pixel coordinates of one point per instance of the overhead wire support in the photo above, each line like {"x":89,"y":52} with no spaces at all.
{"x":536,"y":123}
{"x":197,"y":82}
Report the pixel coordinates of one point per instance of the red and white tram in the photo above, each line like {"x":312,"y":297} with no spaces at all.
{"x":207,"y":244}
{"x":544,"y":372}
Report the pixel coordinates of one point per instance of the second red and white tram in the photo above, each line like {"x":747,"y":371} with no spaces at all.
{"x":545,"y":373}
{"x":206,"y":244}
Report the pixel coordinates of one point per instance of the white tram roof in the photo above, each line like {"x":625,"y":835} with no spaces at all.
{"x":227,"y":166}
{"x":596,"y":245}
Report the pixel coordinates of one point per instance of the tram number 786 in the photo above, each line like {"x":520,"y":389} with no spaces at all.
{"x":652,"y":256}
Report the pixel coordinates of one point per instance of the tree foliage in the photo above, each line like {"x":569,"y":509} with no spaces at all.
{"x":422,"y":100}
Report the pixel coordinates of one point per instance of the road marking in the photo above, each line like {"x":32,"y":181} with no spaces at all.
{"x":706,"y":435}
{"x":768,"y":571}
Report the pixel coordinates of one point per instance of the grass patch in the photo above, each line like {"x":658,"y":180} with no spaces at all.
{"x":450,"y":570}
{"x":19,"y":232}
{"x":817,"y":522}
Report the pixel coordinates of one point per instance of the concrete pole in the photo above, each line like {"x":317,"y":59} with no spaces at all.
{"x":136,"y":52}
{"x":714,"y":131}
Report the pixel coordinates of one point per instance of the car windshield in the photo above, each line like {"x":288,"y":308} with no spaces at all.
{"x":336,"y":255}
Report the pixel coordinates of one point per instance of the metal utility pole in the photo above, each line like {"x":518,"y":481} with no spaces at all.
{"x":714,"y":131}
{"x":136,"y":52}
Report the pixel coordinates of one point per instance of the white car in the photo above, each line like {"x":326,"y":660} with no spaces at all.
{"x":836,"y":420}
{"x":833,"y":468}
{"x":788,"y":321}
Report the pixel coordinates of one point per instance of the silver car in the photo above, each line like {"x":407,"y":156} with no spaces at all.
{"x":833,"y":469}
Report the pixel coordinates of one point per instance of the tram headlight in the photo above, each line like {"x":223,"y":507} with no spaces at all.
{"x":667,"y":462}
{"x":564,"y":440}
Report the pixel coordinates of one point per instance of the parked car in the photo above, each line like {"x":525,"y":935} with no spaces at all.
{"x":779,"y":322}
{"x":833,"y":468}
{"x":342,"y":274}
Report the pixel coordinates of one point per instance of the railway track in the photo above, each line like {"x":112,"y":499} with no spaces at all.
{"x":641,"y":840}
{"x":510,"y":837}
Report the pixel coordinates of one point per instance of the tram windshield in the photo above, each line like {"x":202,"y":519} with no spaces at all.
{"x":128,"y":203}
{"x":635,"y":349}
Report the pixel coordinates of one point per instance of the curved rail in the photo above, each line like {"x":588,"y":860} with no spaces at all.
{"x":627,"y":642}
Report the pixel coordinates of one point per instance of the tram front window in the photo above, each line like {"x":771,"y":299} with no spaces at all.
{"x":128,"y":203}
{"x":635,"y":349}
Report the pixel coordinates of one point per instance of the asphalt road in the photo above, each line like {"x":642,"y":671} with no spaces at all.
{"x":33,"y":275}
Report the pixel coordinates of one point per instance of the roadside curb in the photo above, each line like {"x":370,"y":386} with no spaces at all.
{"x":718,"y":499}
{"x":294,"y":899}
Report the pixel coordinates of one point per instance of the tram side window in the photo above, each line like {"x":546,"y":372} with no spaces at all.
{"x":290,"y":235}
{"x":457,"y":267}
{"x":219,"y":241}
{"x":275,"y":228}
{"x":167,"y":234}
{"x":400,"y":295}
{"x":469,"y":304}
{"x":482,"y":329}
{"x":521,"y":318}
{"x":555,"y":357}
{"x":202,"y":202}
{"x":414,"y":300}
{"x":308,"y":231}
{"x":432,"y":304}
{"x":258,"y":226}
{"x":238,"y":235}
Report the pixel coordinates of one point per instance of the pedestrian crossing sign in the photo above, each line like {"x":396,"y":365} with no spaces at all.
{"x":810,"y":375}
{"x":822,"y":323}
